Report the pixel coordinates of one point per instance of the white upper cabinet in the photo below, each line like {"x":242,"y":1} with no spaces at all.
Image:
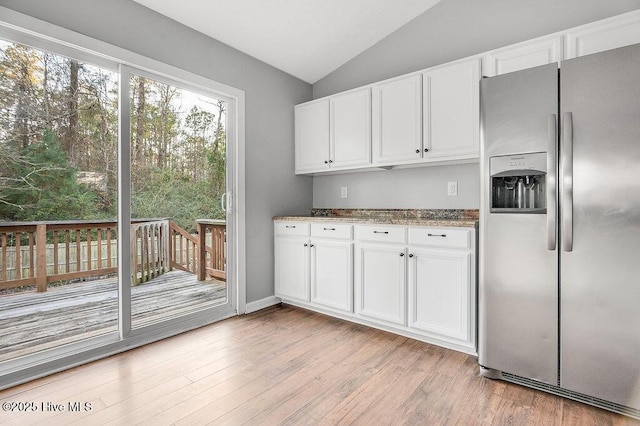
{"x":397,"y":120}
{"x":350,"y":126}
{"x":334,"y":133}
{"x":529,"y":54}
{"x":604,"y":35}
{"x":451,"y":111}
{"x":432,"y":116}
{"x":312,"y":136}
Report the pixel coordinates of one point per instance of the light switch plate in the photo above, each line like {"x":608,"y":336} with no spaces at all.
{"x":452,"y":189}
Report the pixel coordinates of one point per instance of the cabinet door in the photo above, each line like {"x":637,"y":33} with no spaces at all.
{"x":332,"y":274}
{"x":292,"y":268}
{"x":397,"y":120}
{"x":381,"y":282}
{"x":529,"y":54}
{"x":351,"y":129}
{"x":452,"y":111}
{"x":439,"y":292}
{"x":312,"y":136}
{"x":608,"y":34}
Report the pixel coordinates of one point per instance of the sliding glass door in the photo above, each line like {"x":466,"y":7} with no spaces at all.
{"x":178,"y":179}
{"x":58,"y":200}
{"x":116,"y":193}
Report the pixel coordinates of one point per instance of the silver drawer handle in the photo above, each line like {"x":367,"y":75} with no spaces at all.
{"x":437,"y":235}
{"x":329,"y":229}
{"x":290,"y":226}
{"x":380,"y":232}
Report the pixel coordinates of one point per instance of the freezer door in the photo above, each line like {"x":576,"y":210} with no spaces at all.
{"x":518,"y":288}
{"x":600,"y":238}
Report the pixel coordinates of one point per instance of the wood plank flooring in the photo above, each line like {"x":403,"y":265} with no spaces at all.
{"x":285,"y":365}
{"x":34,"y":321}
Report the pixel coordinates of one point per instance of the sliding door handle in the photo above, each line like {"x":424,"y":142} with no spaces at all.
{"x":552,"y":181}
{"x":225,"y":203}
{"x":567,"y":182}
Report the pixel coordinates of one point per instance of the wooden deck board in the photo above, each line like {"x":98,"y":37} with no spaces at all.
{"x":34,"y":321}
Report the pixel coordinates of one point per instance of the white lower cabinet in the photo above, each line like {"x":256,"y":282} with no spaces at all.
{"x":381,"y":282}
{"x":415,"y":281}
{"x":314,"y":264}
{"x":332,"y":274}
{"x":439,"y":292}
{"x":442,"y":284}
{"x":292,"y":261}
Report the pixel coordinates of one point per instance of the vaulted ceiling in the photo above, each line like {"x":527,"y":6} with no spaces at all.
{"x":305,"y":38}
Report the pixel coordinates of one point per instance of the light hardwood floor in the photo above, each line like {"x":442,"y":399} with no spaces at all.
{"x":286,"y":365}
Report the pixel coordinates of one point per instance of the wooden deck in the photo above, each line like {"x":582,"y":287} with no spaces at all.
{"x":34,"y":321}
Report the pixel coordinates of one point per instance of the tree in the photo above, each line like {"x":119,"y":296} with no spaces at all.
{"x":46,"y":186}
{"x":70,"y":144}
{"x":19,"y":69}
{"x":59,"y":117}
{"x":138,"y":105}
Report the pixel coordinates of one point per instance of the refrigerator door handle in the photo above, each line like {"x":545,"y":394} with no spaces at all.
{"x":552,"y":161}
{"x":567,"y":181}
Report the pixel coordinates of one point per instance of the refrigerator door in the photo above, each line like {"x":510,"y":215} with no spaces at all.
{"x":518,"y":304}
{"x":600,"y":278}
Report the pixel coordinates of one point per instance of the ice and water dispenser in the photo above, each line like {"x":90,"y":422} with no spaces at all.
{"x":518,"y":183}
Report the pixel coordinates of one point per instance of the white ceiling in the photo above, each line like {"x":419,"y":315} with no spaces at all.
{"x":305,"y":38}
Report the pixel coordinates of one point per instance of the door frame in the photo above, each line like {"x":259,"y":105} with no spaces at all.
{"x":24,"y":29}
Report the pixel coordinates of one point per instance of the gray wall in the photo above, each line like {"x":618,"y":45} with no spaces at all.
{"x":416,"y":188}
{"x":271,"y":187}
{"x":451,"y":30}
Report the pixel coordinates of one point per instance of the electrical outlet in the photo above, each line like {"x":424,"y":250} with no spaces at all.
{"x":343,"y":192}
{"x":452,"y":189}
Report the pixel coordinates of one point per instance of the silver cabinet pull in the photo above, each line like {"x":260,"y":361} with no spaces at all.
{"x":567,"y":181}
{"x":380,"y":232}
{"x":552,"y":182}
{"x":329,"y":229}
{"x":437,"y":235}
{"x":290,"y":226}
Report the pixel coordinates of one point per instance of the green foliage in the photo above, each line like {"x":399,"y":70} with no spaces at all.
{"x":59,"y":117}
{"x":167,"y":193}
{"x":47,"y":186}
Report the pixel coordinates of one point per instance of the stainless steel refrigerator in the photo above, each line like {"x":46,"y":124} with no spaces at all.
{"x":559,"y":282}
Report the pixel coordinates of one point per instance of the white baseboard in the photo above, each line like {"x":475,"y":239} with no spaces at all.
{"x":261,"y":304}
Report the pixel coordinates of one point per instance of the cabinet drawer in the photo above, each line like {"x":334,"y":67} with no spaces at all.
{"x":330,"y":230}
{"x":440,"y":237}
{"x":382,"y":234}
{"x":292,"y":228}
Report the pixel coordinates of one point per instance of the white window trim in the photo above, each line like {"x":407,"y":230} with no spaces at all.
{"x":27,"y":30}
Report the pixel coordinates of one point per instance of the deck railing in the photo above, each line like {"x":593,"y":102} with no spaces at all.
{"x":183,"y":247}
{"x":188,"y":251}
{"x":150,"y":249}
{"x":213,"y":254}
{"x":39,"y":253}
